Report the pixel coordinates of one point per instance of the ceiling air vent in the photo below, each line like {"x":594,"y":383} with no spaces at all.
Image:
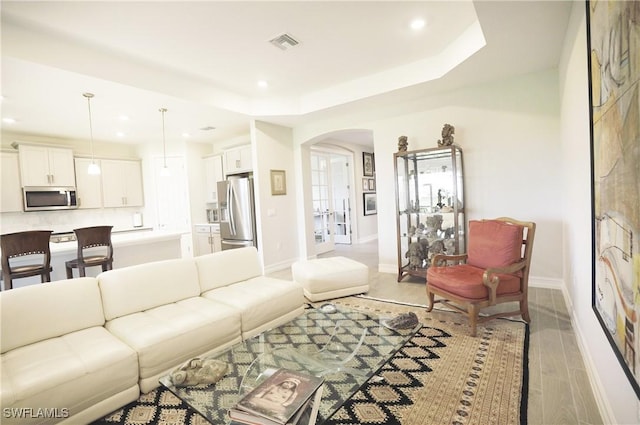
{"x":208,"y":128}
{"x":284,"y":41}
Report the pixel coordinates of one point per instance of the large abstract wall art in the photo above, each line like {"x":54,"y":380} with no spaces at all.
{"x":613,"y":34}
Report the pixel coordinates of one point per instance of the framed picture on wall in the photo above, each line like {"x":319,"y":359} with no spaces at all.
{"x":278,"y":182}
{"x":367,"y":164}
{"x":614,"y":90}
{"x":370,"y":203}
{"x":365,"y":185}
{"x":372,"y":185}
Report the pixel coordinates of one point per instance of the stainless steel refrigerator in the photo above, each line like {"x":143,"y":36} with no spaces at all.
{"x":237,"y":214}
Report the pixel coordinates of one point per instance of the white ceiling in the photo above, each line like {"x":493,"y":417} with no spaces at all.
{"x":202,"y":60}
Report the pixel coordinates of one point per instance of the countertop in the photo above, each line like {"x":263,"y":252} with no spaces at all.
{"x":122,"y":237}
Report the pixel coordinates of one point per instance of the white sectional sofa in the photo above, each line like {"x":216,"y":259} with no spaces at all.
{"x":78,"y":349}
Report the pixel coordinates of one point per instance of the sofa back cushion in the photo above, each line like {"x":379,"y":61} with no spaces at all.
{"x":226,"y":267}
{"x":142,"y":287}
{"x":42,"y":311}
{"x":494,"y":243}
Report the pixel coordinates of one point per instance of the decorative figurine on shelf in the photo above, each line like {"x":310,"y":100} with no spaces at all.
{"x":434,"y":226}
{"x":402,"y":144}
{"x":416,"y":255}
{"x":436,"y":247}
{"x":447,"y":135}
{"x":425,"y":248}
{"x":440,"y":204}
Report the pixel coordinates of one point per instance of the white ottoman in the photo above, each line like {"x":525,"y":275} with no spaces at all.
{"x":332,"y":277}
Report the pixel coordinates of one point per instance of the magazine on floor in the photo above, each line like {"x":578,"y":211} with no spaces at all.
{"x":280,"y":400}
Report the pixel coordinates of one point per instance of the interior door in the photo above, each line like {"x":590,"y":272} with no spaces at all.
{"x":339,"y":177}
{"x":323,"y":223}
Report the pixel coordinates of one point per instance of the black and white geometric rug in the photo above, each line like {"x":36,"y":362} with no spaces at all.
{"x":441,"y":376}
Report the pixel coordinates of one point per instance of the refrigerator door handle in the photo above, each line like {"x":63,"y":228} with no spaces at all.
{"x":236,"y":243}
{"x":230,"y":195}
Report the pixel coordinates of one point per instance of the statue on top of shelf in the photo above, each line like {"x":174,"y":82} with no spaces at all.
{"x":402,"y":144}
{"x":447,"y":135}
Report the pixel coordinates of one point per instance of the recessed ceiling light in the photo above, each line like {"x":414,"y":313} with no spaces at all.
{"x":9,"y":120}
{"x":123,"y":118}
{"x":417,"y":24}
{"x":263,"y":84}
{"x":120,"y":134}
{"x":186,"y":135}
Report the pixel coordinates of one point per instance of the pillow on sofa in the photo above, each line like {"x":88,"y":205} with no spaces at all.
{"x":493,"y":243}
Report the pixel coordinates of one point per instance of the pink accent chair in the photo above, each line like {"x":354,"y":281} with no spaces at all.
{"x":494,"y":270}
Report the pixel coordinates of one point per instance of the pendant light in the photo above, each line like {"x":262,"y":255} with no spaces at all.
{"x":93,"y":169}
{"x":165,"y":170}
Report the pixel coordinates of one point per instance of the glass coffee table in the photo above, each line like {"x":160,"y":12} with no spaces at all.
{"x":346,"y":347}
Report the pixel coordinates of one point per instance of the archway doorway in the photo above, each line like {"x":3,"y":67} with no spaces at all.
{"x":334,"y":213}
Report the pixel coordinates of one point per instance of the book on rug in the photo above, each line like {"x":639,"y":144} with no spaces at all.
{"x":281,"y":399}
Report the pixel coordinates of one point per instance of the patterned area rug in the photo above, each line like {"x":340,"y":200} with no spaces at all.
{"x":442,"y":376}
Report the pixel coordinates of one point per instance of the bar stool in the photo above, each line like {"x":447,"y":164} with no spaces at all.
{"x":31,"y":243}
{"x":89,"y":238}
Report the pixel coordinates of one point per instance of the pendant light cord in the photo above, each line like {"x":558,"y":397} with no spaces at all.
{"x":89,"y":96}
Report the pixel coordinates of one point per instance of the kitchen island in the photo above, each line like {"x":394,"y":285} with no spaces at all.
{"x":130,"y":247}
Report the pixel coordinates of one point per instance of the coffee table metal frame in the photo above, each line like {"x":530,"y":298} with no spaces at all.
{"x":346,"y":347}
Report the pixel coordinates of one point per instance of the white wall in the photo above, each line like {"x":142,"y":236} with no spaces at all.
{"x":276,"y":215}
{"x":510,"y":134}
{"x":614,"y":394}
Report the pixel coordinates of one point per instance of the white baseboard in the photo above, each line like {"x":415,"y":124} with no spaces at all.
{"x":546,"y":282}
{"x":368,"y":239}
{"x":272,"y":268}
{"x":604,"y":407}
{"x":388,"y":268}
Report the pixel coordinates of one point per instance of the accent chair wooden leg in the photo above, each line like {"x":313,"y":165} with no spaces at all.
{"x":524,"y":311}
{"x":430,"y":300}
{"x":473,"y":318}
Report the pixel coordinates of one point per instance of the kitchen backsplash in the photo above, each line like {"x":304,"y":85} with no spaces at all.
{"x":67,"y":220}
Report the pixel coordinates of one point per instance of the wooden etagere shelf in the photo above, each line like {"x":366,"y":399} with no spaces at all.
{"x":429,"y":206}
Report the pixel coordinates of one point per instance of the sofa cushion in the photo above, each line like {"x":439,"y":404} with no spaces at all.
{"x":73,"y":371}
{"x":226,"y":267}
{"x":260,"y":299}
{"x":145,"y":286}
{"x":493,"y":243}
{"x":170,"y":334}
{"x":39,"y":312}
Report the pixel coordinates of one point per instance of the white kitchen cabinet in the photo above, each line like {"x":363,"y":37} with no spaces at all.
{"x":207,"y":239}
{"x":46,"y":166}
{"x":238,"y":160}
{"x":121,"y":183}
{"x":11,"y":192}
{"x":213,"y":173}
{"x":88,"y":186}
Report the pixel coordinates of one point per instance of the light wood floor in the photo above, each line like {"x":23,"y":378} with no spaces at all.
{"x":559,"y":389}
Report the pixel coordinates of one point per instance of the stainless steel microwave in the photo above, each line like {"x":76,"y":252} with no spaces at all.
{"x":44,"y":198}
